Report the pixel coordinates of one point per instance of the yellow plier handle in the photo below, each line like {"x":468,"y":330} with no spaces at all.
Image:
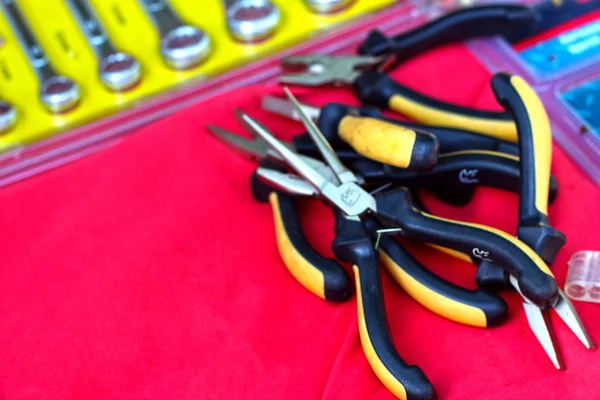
{"x":378,"y":89}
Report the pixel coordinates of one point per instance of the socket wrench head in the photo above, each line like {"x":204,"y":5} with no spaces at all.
{"x":59,"y":94}
{"x":185,"y":47}
{"x":8,"y":116}
{"x":252,"y":20}
{"x":120,"y":71}
{"x":328,"y":6}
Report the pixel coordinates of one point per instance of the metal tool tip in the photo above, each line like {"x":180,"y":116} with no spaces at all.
{"x":213,"y":129}
{"x":240,"y":115}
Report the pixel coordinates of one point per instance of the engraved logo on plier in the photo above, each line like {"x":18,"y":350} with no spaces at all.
{"x":468,"y":176}
{"x":350,"y":196}
{"x":481,"y":254}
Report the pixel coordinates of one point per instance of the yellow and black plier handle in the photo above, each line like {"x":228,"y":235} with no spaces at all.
{"x":329,"y":280}
{"x":322,"y":276}
{"x":353,"y":245}
{"x":378,"y":89}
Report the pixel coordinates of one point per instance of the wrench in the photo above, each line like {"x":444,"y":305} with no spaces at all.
{"x":328,"y":6}
{"x":118,"y":71}
{"x":8,"y":116}
{"x":57,"y":92}
{"x":182,"y":46}
{"x":251,"y":20}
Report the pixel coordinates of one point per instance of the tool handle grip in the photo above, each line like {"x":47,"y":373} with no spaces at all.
{"x":469,"y":169}
{"x":377,"y":89}
{"x":395,"y":209}
{"x":535,"y":142}
{"x":450,"y":139}
{"x":380,"y":140}
{"x":471,"y":307}
{"x":456,"y":175}
{"x":507,"y":21}
{"x":353,"y":245}
{"x":322,"y":276}
{"x":535,"y":147}
{"x":390,"y":144}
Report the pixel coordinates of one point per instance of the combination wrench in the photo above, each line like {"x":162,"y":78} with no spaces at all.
{"x":328,"y":6}
{"x":251,"y":21}
{"x":8,"y":116}
{"x":57,"y":92}
{"x":117,"y":70}
{"x":182,"y":46}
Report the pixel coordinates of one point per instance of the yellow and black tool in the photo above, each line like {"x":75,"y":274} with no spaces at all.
{"x":367,"y":133}
{"x":327,"y":279}
{"x":322,"y":276}
{"x":329,"y":116}
{"x":470,"y":307}
{"x":456,"y":176}
{"x":535,"y":148}
{"x":396,"y":211}
{"x":373,"y":87}
{"x":389,"y":144}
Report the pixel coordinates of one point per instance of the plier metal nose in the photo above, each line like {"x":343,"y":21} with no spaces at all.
{"x":320,"y":70}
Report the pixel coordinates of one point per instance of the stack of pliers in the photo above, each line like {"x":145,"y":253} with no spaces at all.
{"x":370,"y":167}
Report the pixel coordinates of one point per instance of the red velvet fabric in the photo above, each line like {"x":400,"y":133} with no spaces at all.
{"x":147,"y":271}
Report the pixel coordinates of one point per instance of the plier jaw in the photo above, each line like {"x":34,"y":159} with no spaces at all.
{"x":541,"y":324}
{"x":318,"y":70}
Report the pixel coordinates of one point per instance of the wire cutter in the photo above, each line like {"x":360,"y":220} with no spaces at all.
{"x":328,"y":279}
{"x":373,"y":87}
{"x":528,"y":273}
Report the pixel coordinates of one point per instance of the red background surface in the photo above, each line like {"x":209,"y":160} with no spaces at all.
{"x":148,"y":272}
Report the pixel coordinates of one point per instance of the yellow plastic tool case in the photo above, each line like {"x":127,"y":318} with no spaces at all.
{"x":40,"y":140}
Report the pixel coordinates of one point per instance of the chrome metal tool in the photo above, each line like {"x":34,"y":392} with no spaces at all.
{"x":251,"y":21}
{"x":328,"y":6}
{"x":117,"y":70}
{"x":58,"y":93}
{"x":182,"y":46}
{"x":8,"y":116}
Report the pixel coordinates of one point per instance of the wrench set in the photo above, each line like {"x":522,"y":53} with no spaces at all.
{"x":67,"y":63}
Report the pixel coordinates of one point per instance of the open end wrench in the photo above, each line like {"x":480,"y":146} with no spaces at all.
{"x":182,"y":46}
{"x":251,"y":20}
{"x":57,"y":92}
{"x":328,"y":6}
{"x":118,"y":71}
{"x":8,"y":116}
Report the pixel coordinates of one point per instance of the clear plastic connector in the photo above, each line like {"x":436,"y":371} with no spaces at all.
{"x":583,"y":276}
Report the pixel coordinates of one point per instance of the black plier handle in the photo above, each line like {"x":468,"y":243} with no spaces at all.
{"x":378,"y":89}
{"x":506,"y":20}
{"x":352,"y":244}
